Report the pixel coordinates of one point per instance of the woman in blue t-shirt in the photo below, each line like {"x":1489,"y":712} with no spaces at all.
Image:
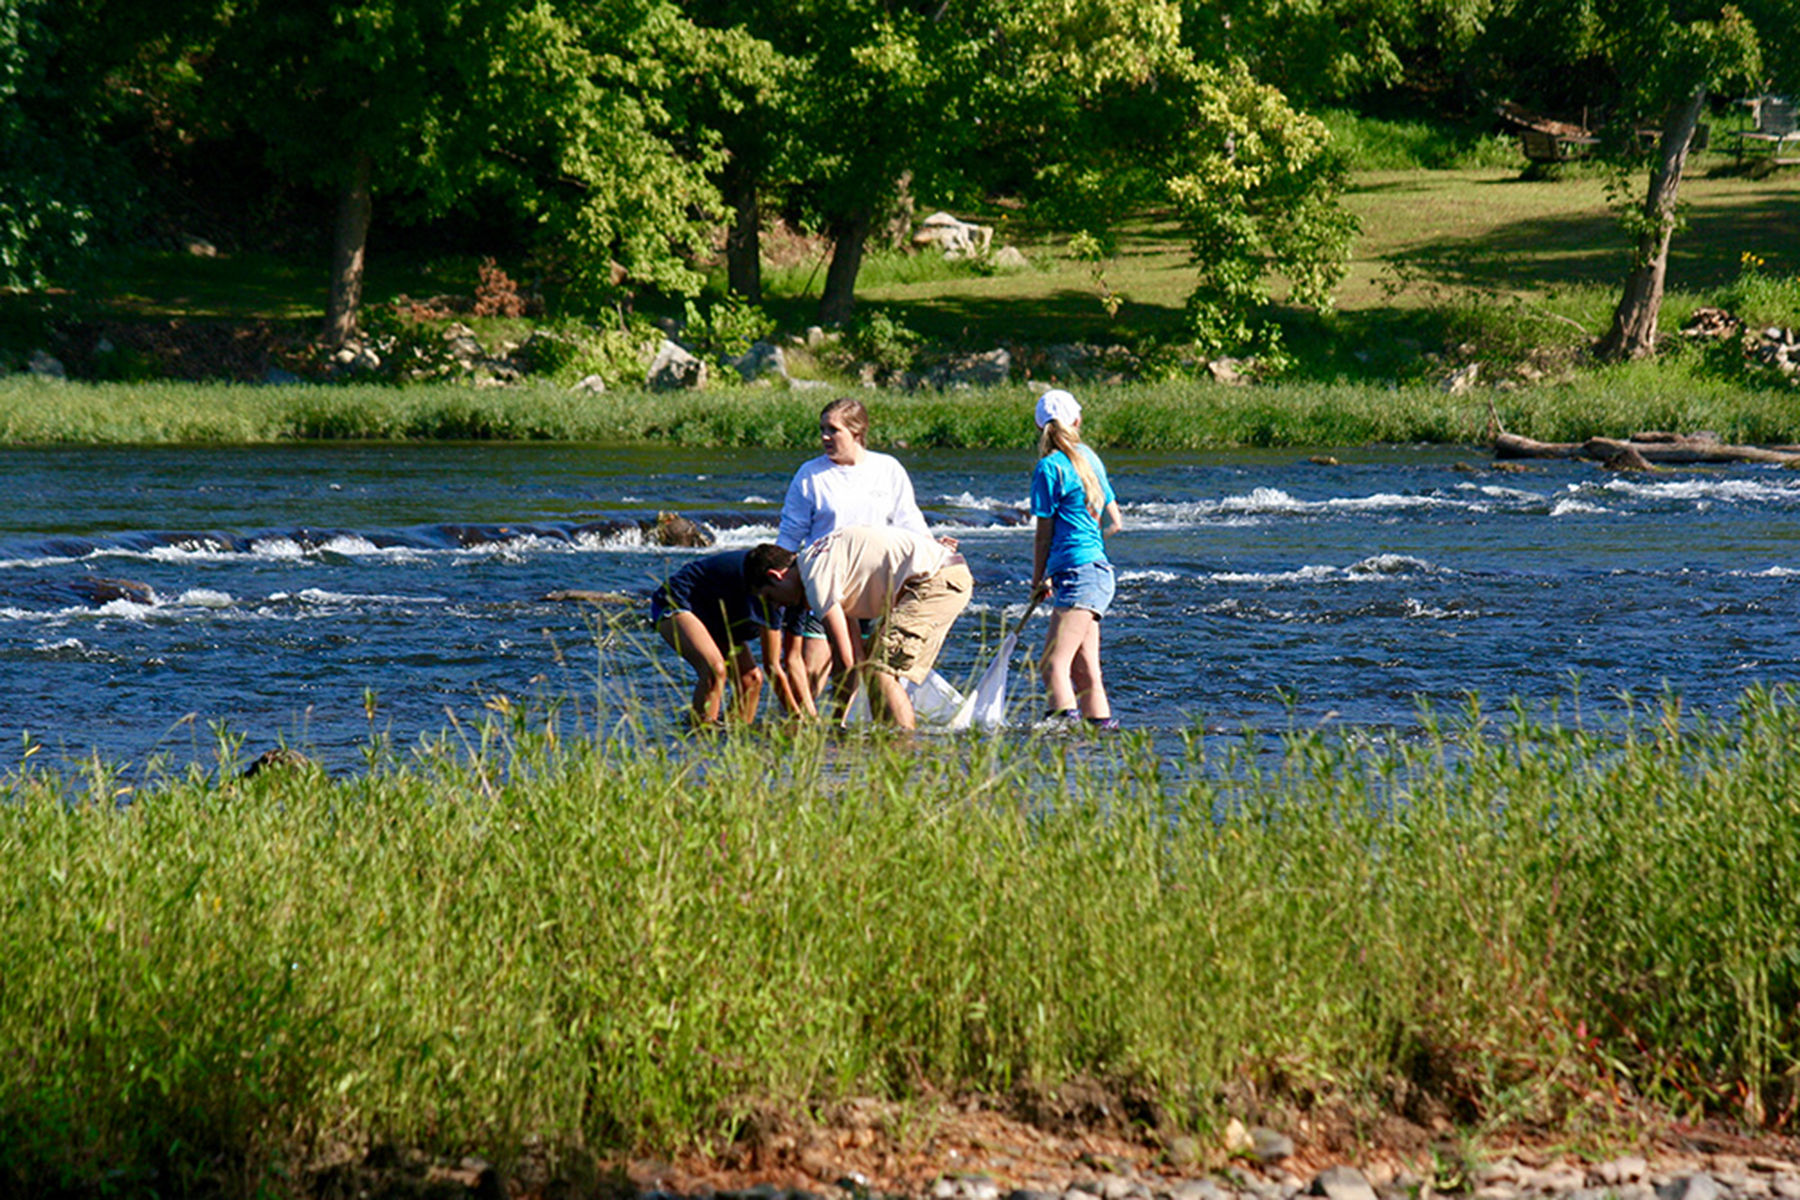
{"x":1070,"y":497}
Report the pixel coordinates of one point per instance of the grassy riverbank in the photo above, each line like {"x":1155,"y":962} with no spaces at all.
{"x":615,"y":944}
{"x":1167,"y":416}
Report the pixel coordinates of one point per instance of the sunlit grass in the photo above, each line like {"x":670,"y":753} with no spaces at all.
{"x":619,"y":942}
{"x":1152,"y":416}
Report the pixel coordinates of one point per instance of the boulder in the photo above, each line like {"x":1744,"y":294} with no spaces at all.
{"x":1779,"y":348}
{"x":1228,"y":371}
{"x":99,"y":589}
{"x":763,"y":358}
{"x":1708,"y":322}
{"x":1461,"y":379}
{"x":1341,"y":1183}
{"x":354,"y":357}
{"x":673,"y":529}
{"x":674,"y":369}
{"x":587,"y":596}
{"x":956,"y":238}
{"x":974,"y":370}
{"x":1270,"y":1145}
{"x":461,"y":344}
{"x":1011,"y":258}
{"x":46,"y":366}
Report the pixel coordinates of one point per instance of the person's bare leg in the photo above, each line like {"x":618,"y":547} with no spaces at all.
{"x":793,"y":666}
{"x":817,"y":652}
{"x":688,"y":636}
{"x":1069,"y":628}
{"x":746,"y":684}
{"x":1085,"y":675}
{"x":888,"y":699}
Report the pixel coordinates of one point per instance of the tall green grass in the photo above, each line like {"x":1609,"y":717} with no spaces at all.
{"x":619,"y":943}
{"x":1384,"y":144}
{"x":1154,"y":416}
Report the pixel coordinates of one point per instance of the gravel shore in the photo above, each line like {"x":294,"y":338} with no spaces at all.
{"x":986,"y":1157}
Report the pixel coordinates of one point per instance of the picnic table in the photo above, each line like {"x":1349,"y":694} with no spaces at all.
{"x":1545,"y":140}
{"x":1543,"y":146}
{"x":1775,"y":126}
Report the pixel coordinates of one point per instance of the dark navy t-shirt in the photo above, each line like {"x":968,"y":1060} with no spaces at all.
{"x":714,"y":589}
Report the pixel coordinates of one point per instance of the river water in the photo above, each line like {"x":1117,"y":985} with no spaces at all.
{"x":316,"y":595}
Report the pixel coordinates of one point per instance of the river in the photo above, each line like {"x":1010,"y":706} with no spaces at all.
{"x":318,"y":595}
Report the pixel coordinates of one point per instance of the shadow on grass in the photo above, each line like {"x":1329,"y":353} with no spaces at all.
{"x":1576,"y":249}
{"x":1063,"y":315}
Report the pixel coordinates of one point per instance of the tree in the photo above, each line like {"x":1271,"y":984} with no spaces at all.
{"x":63,"y":188}
{"x":867,"y":110}
{"x":1334,"y":51}
{"x":952,"y":98}
{"x":557,"y":109}
{"x":740,"y":95}
{"x":1670,"y":63}
{"x":1113,"y":109}
{"x":1258,"y":189}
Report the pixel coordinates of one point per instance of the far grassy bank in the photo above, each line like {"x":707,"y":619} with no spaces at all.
{"x":1164,"y":416}
{"x":616,"y":945}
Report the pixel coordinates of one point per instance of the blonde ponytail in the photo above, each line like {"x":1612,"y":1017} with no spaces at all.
{"x":1057,"y":436}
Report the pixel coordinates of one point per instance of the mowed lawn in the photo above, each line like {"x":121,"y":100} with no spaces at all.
{"x":1427,"y":238}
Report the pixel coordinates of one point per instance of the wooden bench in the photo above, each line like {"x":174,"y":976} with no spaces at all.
{"x":1544,"y":147}
{"x":1775,"y":126}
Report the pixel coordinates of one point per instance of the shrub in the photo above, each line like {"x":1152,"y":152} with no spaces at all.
{"x":1377,"y":144}
{"x":567,"y":351}
{"x":496,"y":295}
{"x":726,"y":327}
{"x":878,"y":337}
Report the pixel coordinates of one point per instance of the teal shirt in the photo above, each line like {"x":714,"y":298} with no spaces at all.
{"x":1057,"y":494}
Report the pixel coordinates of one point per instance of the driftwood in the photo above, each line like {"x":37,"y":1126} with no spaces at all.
{"x":604,"y":599}
{"x":1645,"y":450}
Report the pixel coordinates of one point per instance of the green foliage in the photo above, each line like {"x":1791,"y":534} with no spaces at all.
{"x":1665,"y":56}
{"x":876,"y":336}
{"x":516,"y":937}
{"x":1337,"y":51}
{"x":1380,"y":144}
{"x":1761,"y":297}
{"x":1257,"y":189}
{"x":567,"y":351}
{"x":62,"y":194}
{"x":594,"y":104}
{"x":1085,"y":247}
{"x":558,"y":111}
{"x":725,"y":327}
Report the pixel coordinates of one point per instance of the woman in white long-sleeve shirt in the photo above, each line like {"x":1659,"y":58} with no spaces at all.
{"x":847,"y":486}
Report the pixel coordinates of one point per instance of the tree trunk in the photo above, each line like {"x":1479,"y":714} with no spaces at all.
{"x":849,"y":234}
{"x":743,"y":241}
{"x":1633,"y":333}
{"x":349,"y":241}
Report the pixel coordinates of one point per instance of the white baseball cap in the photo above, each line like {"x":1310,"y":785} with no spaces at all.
{"x":1058,"y":405}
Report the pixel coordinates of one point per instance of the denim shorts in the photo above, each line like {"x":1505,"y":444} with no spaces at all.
{"x":1089,"y":586}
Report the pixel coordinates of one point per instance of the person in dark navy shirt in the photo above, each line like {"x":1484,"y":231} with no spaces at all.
{"x":706,"y":613}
